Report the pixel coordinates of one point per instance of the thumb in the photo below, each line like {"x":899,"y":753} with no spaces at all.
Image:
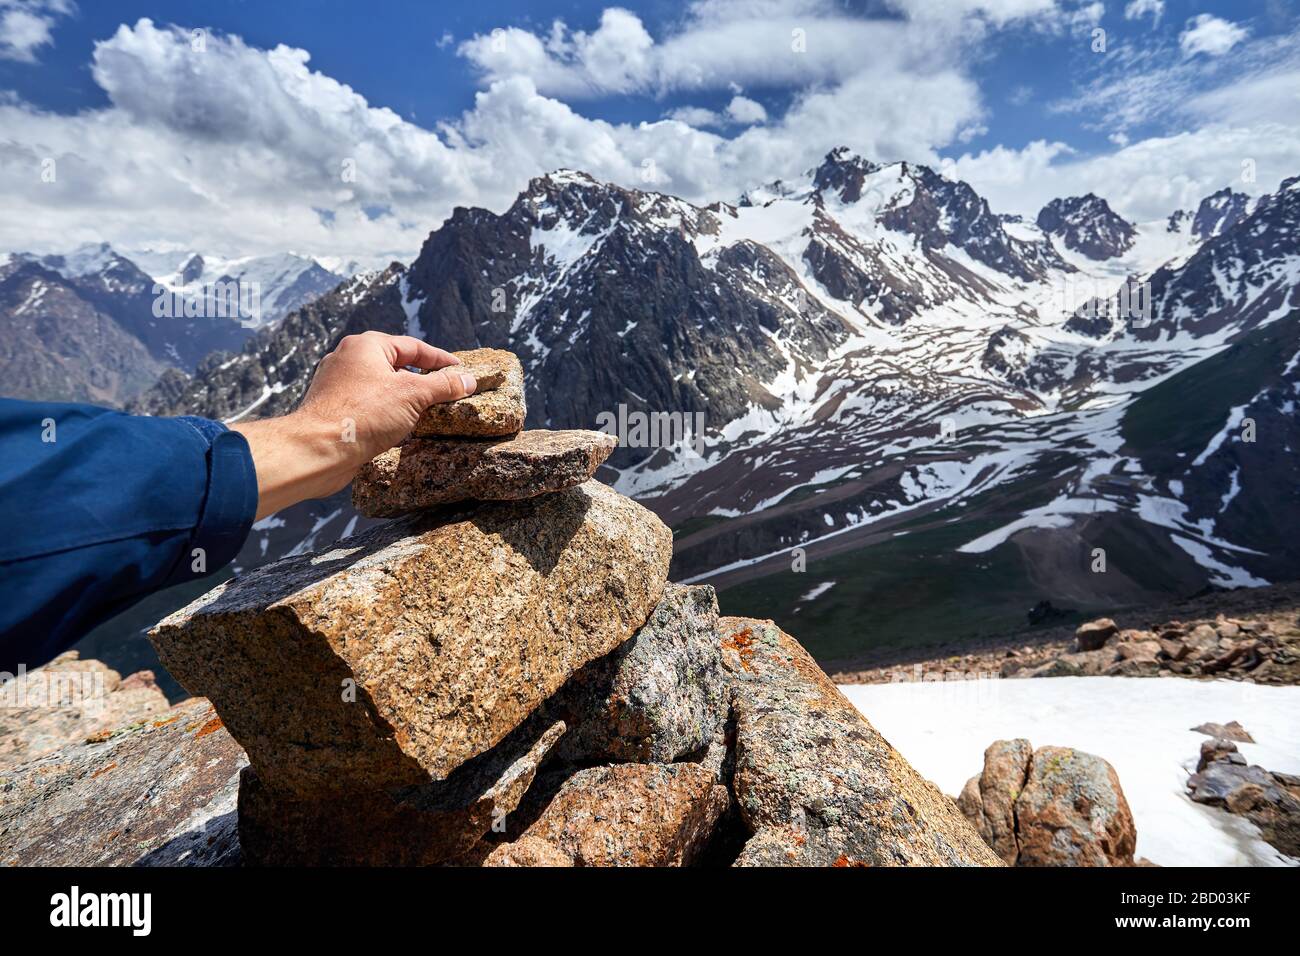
{"x":446,"y":385}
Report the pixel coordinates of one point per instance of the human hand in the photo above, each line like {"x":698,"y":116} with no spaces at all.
{"x":362,"y":401}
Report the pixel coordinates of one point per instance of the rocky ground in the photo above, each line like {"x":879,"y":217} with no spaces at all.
{"x":1250,"y":634}
{"x":1268,"y":799}
{"x":70,"y":699}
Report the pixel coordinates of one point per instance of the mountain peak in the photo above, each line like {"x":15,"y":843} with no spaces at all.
{"x":843,"y":172}
{"x":1087,"y":224}
{"x":1219,"y":212}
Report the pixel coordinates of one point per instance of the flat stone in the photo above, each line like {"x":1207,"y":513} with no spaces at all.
{"x":412,"y":826}
{"x":1139,"y":650}
{"x":67,"y":701}
{"x":623,"y":815}
{"x":1229,"y":731}
{"x":813,"y":771}
{"x":497,"y":406}
{"x":425,"y":472}
{"x":659,"y":697}
{"x":398,"y":655}
{"x":160,"y":792}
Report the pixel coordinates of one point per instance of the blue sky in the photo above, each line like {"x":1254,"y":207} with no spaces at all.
{"x":238,"y":145}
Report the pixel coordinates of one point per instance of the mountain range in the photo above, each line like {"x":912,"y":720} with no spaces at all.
{"x":101,"y":326}
{"x":911,"y":404}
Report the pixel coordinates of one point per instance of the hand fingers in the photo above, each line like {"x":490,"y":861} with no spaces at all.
{"x":403,"y":350}
{"x":445,"y":385}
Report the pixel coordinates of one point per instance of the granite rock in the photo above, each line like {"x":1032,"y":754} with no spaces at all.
{"x":812,"y":772}
{"x":1072,"y":812}
{"x":496,"y":407}
{"x":398,"y":655}
{"x":659,"y":697}
{"x":159,"y":792}
{"x":623,"y":815}
{"x":412,"y":826}
{"x":423,"y":472}
{"x":989,"y":799}
{"x":1093,"y":635}
{"x":68,"y":700}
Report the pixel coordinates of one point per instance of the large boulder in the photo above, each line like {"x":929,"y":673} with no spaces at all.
{"x":67,"y":701}
{"x":659,"y":697}
{"x":622,"y":815}
{"x":815,"y":783}
{"x":1093,"y":635}
{"x":394,"y":658}
{"x":413,"y":826}
{"x":1072,"y":812}
{"x":425,"y":472}
{"x":1050,"y":807}
{"x":989,"y":799}
{"x":160,"y":792}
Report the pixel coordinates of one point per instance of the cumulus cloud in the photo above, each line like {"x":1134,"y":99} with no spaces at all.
{"x":721,"y":45}
{"x":233,"y":149}
{"x":1210,"y":35}
{"x":742,"y":109}
{"x":28,"y":25}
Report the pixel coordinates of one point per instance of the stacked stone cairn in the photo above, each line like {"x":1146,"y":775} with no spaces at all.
{"x":502,"y":675}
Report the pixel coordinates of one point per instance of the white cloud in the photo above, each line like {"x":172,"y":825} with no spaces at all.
{"x":28,"y":25}
{"x":999,"y":12}
{"x":239,"y":150}
{"x":697,"y":116}
{"x":1210,"y":35}
{"x":1137,"y":9}
{"x":1143,"y":180}
{"x":719,"y":47}
{"x":1155,"y":84}
{"x":740,"y":111}
{"x":743,"y":110}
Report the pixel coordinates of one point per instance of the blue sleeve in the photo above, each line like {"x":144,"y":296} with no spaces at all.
{"x":99,"y":509}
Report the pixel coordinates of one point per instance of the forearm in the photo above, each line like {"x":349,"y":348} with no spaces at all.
{"x":299,"y":457}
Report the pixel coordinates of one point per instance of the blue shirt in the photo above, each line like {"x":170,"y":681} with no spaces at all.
{"x":99,"y":509}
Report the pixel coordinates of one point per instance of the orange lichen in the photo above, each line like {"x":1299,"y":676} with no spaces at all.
{"x":102,"y":770}
{"x":743,"y":644}
{"x":169,"y":720}
{"x":213,"y":724}
{"x":843,"y":860}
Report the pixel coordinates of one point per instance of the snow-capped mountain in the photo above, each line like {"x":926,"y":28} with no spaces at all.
{"x":94,"y":294}
{"x":1217,"y":213}
{"x":1087,"y":224}
{"x":282,"y":282}
{"x":917,"y":392}
{"x":57,"y":343}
